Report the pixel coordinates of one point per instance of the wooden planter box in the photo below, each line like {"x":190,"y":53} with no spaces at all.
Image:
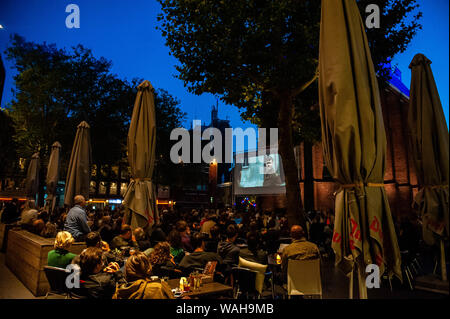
{"x":26,"y":256}
{"x":4,"y":228}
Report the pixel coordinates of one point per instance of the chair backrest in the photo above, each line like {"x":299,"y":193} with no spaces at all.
{"x":304,"y":277}
{"x":245,"y":279}
{"x":259,"y":268}
{"x":56,"y":278}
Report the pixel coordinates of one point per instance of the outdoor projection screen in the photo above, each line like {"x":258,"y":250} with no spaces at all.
{"x":258,"y":175}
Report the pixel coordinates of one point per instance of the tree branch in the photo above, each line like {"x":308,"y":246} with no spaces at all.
{"x":306,"y":85}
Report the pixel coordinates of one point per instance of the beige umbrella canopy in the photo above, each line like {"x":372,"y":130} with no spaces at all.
{"x":354,"y":144}
{"x":32,"y":181}
{"x":140,"y":196}
{"x":53,"y":174}
{"x":79,"y":169}
{"x":429,"y":143}
{"x":429,"y":140}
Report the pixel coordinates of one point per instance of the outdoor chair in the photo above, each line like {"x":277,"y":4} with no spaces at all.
{"x":244,"y":282}
{"x":260,"y":276}
{"x":56,"y":278}
{"x":406,"y":268}
{"x":303,"y":278}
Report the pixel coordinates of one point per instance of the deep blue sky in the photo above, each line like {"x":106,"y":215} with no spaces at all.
{"x":124,"y":32}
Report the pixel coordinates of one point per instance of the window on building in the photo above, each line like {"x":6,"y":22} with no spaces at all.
{"x":104,"y":171}
{"x":94,"y":170}
{"x":123,"y":188}
{"x":114,"y":172}
{"x":92,"y":187}
{"x":113,"y":188}
{"x":102,"y":188}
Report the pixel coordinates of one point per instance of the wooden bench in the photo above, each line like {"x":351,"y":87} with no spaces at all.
{"x":26,"y":256}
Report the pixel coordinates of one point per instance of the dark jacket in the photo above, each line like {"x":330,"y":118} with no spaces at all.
{"x":10,"y":213}
{"x":211,"y":245}
{"x":259,"y":256}
{"x":101,"y":285}
{"x":157,"y":236}
{"x":270,"y":239}
{"x":162,"y":270}
{"x":119,"y":242}
{"x":76,"y":222}
{"x":144,"y":244}
{"x":229,"y":252}
{"x":199,"y":259}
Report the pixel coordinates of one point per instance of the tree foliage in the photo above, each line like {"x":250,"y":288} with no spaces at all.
{"x":56,"y":89}
{"x":8,"y":156}
{"x":261,"y":56}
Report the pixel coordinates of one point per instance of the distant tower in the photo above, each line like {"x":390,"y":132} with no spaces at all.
{"x":215,"y":113}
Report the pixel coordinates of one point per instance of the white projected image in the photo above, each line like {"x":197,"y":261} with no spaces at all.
{"x":260,"y":175}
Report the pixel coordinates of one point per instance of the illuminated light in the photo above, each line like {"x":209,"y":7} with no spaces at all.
{"x":278,"y":257}
{"x":170,"y":202}
{"x":10,"y":198}
{"x":1,"y":27}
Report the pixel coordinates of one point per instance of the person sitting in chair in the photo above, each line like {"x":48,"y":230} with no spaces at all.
{"x":60,"y":257}
{"x":125,"y":239}
{"x":199,"y":258}
{"x":252,"y":253}
{"x":138,"y":271}
{"x":299,"y":249}
{"x":98,"y":281}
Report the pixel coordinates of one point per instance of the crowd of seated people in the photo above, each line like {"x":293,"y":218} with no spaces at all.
{"x":180,"y":242}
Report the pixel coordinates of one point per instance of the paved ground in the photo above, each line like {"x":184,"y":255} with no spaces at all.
{"x":334,"y":282}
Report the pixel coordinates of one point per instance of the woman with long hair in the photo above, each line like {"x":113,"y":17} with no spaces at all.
{"x":138,"y":271}
{"x":161,"y":259}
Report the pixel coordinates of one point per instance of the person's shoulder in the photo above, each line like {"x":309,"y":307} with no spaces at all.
{"x":71,"y":255}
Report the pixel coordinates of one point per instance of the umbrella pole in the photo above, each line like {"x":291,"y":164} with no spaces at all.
{"x":443,"y":264}
{"x":361,"y":281}
{"x":350,"y":292}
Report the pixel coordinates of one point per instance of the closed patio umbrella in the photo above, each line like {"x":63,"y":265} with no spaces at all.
{"x":32,"y":181}
{"x":53,"y":175}
{"x":140,"y":196}
{"x":79,"y":169}
{"x":354,"y":145}
{"x":428,"y":134}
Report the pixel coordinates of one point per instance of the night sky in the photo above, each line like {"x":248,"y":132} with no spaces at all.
{"x":124,"y":32}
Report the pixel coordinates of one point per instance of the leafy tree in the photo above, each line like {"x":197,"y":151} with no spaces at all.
{"x":168,"y":117}
{"x":262,"y":57}
{"x":56,"y":89}
{"x":8,"y":156}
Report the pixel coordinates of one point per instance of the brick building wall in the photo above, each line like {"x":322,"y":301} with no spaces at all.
{"x":400,"y":179}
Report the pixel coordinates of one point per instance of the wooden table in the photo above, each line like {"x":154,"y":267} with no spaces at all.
{"x":208,"y":290}
{"x":26,"y":256}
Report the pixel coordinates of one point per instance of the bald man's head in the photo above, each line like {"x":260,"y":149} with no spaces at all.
{"x":297,"y":232}
{"x":79,"y":200}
